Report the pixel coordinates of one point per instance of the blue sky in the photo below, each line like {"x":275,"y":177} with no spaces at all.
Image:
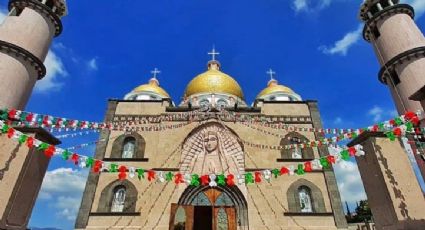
{"x":109,"y":47}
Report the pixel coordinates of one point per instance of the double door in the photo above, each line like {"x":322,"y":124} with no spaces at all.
{"x":192,"y":217}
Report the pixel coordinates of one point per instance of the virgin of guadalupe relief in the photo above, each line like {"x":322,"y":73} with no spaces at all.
{"x":212,"y":148}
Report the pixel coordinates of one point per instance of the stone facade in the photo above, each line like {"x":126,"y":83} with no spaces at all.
{"x":204,"y":147}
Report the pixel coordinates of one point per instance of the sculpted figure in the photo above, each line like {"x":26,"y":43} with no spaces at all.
{"x":212,"y":150}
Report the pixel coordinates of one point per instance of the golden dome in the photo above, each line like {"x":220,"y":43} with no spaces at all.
{"x":213,"y":81}
{"x":274,"y":87}
{"x":153,"y":87}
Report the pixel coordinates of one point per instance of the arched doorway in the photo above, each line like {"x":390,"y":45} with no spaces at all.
{"x":210,"y":208}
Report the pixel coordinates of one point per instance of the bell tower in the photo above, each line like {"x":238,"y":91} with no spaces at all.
{"x":400,"y":48}
{"x":25,"y":37}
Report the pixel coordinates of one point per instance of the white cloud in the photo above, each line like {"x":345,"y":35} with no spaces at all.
{"x":418,"y":5}
{"x":341,"y":46}
{"x":337,"y":121}
{"x":376,"y":112}
{"x":62,"y":188}
{"x":349,"y":182}
{"x":55,"y":71}
{"x":92,"y":64}
{"x":379,"y":114}
{"x":310,"y":5}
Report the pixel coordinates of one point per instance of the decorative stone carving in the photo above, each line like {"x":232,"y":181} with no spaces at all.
{"x":212,"y":148}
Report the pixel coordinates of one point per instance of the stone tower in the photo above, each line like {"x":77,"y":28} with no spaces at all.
{"x":25,"y":38}
{"x":399,"y":46}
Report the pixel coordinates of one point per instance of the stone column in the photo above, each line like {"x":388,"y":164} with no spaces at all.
{"x":394,"y":194}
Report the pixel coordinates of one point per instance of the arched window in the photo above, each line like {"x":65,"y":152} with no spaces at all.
{"x":129,"y":147}
{"x":294,"y":138}
{"x":304,"y":195}
{"x":296,"y":153}
{"x":118,"y":200}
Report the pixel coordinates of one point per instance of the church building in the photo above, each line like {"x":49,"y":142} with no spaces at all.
{"x":210,"y":146}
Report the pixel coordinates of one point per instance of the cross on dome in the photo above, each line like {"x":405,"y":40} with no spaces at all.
{"x":155,"y":72}
{"x":271,"y":73}
{"x":213,"y":53}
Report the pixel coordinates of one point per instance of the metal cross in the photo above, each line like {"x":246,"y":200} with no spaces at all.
{"x":155,"y":72}
{"x":271,"y":73}
{"x":213,"y":53}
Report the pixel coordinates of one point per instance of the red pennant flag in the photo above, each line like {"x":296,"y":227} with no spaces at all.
{"x":151,"y":175}
{"x":29,"y":117}
{"x":74,"y":158}
{"x":392,"y":122}
{"x":230,"y":180}
{"x":122,"y":175}
{"x":205,"y":179}
{"x":352,"y":151}
{"x":50,"y":151}
{"x":10,"y":132}
{"x":12,"y":114}
{"x":257,"y":177}
{"x":97,"y":166}
{"x":30,"y":142}
{"x":178,"y":178}
{"x":397,"y":131}
{"x":331,"y":159}
{"x":307,"y":166}
{"x":284,"y":170}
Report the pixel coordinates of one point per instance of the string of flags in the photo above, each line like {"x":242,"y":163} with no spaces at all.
{"x":30,"y":119}
{"x":410,"y":119}
{"x":125,"y":172}
{"x":76,"y":134}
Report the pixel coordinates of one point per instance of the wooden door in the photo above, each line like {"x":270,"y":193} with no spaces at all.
{"x":224,"y":218}
{"x":176,"y":221}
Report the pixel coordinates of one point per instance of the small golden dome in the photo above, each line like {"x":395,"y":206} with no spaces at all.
{"x":153,"y":87}
{"x":213,"y":81}
{"x":274,"y":87}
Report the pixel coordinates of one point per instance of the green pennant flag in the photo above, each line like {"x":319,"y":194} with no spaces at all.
{"x":22,"y":139}
{"x":324,"y":162}
{"x":66,"y":154}
{"x":195,"y":180}
{"x":249,"y":178}
{"x":5,"y":128}
{"x":169,"y":176}
{"x":300,"y":169}
{"x":43,"y":146}
{"x":345,"y":155}
{"x":398,"y":121}
{"x":390,"y":135}
{"x":113,"y":168}
{"x":221,"y":180}
{"x":4,"y":114}
{"x":140,"y":173}
{"x":89,"y":162}
{"x":275,"y":172}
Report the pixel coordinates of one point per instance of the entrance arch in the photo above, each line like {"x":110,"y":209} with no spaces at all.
{"x":211,"y":208}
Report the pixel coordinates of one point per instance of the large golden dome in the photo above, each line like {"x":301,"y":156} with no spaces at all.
{"x":153,"y":87}
{"x":213,"y":81}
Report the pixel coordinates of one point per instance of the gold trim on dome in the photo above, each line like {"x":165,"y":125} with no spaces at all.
{"x":213,"y":81}
{"x":151,"y":88}
{"x":275,"y":89}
